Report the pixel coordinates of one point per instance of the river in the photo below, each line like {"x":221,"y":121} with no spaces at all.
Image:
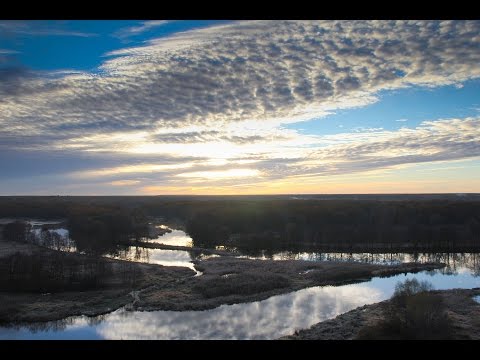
{"x":267,"y":319}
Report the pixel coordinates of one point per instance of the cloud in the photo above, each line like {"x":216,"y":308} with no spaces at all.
{"x":326,"y":156}
{"x":225,"y":93}
{"x":221,"y":174}
{"x":131,"y":169}
{"x":401,"y":120}
{"x":273,"y":71}
{"x":7,"y":52}
{"x":137,"y":30}
{"x":9,"y":28}
{"x":124,"y":182}
{"x":7,"y":59}
{"x":441,"y":140}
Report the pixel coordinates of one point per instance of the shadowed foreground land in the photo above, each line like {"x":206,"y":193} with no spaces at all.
{"x":39,"y":294}
{"x":225,"y":280}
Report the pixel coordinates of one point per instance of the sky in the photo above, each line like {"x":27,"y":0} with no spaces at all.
{"x":239,"y":107}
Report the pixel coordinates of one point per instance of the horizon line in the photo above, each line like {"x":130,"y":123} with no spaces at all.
{"x":290,"y":194}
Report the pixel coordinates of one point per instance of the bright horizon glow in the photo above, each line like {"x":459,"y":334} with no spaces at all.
{"x":239,"y":107}
{"x":221,"y":174}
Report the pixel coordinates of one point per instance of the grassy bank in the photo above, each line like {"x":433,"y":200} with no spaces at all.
{"x":438,"y":314}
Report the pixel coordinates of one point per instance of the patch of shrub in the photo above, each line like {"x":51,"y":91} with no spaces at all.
{"x":411,"y":287}
{"x":413,"y":314}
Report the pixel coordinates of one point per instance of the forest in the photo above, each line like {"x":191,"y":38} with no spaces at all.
{"x":266,"y":222}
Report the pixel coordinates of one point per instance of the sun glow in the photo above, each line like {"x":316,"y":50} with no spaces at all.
{"x":221,"y":174}
{"x":130,"y":169}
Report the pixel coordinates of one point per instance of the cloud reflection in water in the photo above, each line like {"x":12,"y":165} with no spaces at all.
{"x":267,"y":319}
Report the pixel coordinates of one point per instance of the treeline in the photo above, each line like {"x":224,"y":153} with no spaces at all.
{"x":268,"y":222}
{"x":94,"y":229}
{"x":346,"y":225}
{"x":100,"y":229}
{"x":52,"y":272}
{"x":18,"y":231}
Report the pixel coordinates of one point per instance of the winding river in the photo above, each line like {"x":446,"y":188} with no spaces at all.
{"x":267,"y":319}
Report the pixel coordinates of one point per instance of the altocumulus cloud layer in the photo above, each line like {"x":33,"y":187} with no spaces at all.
{"x":219,"y":97}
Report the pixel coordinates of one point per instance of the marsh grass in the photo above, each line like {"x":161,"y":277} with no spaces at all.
{"x":241,"y":284}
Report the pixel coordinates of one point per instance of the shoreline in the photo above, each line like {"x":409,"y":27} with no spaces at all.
{"x":225,"y":280}
{"x":460,"y":306}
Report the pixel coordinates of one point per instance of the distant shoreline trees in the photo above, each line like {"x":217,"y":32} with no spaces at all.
{"x":340,"y":225}
{"x":268,"y":222}
{"x":17,"y":231}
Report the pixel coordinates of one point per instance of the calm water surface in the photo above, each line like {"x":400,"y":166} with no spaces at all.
{"x":456,"y":262}
{"x":155,"y":256}
{"x":268,"y":319}
{"x":174,"y":238}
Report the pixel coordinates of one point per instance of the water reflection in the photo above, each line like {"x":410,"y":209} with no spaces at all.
{"x":32,"y":222}
{"x":268,"y":319}
{"x":174,"y":238}
{"x":154,"y":256}
{"x":57,"y":239}
{"x":456,"y":262}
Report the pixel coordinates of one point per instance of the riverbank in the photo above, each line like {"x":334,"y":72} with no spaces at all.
{"x":225,"y":280}
{"x":462,"y":310}
{"x":24,"y":299}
